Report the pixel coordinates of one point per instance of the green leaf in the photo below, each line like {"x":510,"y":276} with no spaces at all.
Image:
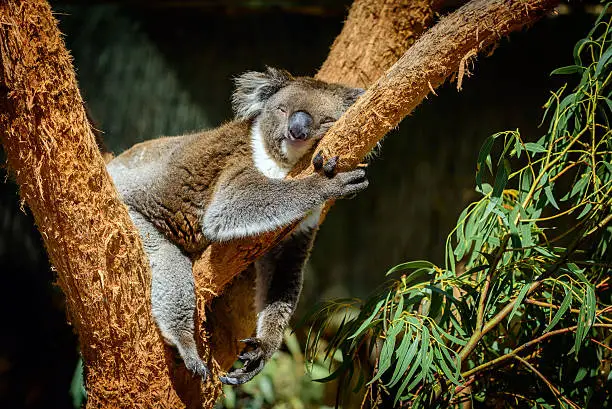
{"x":266,"y":388}
{"x":565,"y":304}
{"x":501,"y":178}
{"x":454,"y":339}
{"x":578,"y":272}
{"x":585,"y":210}
{"x":519,"y":300}
{"x":551,"y":197}
{"x":570,"y":69}
{"x":417,"y":362}
{"x":339,"y":371}
{"x":425,"y":365}
{"x":404,"y":355}
{"x":387,"y":350}
{"x":451,"y":257}
{"x":483,"y":158}
{"x":535,"y":147}
{"x":518,"y":147}
{"x":586,"y":317}
{"x":436,"y":302}
{"x":544,"y":252}
{"x":410,"y":265}
{"x":400,"y":308}
{"x":443,"y":365}
{"x":229,"y":400}
{"x":603,"y":61}
{"x":367,"y":322}
{"x":580,"y":185}
{"x":580,"y":375}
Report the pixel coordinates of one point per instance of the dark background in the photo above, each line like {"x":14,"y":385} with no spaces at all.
{"x":151,"y":69}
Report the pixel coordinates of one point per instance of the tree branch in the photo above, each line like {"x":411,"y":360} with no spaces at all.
{"x":88,"y":234}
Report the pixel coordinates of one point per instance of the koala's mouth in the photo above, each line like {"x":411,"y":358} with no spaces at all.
{"x":298,"y":141}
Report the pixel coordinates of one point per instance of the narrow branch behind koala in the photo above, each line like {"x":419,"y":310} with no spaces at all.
{"x":427,"y":64}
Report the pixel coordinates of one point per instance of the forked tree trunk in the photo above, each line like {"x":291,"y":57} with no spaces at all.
{"x":87,"y":232}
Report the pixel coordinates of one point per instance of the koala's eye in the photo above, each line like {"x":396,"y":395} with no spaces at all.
{"x":327,"y":120}
{"x":282,"y":109}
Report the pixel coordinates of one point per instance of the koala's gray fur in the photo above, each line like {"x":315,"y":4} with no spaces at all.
{"x":188,"y":191}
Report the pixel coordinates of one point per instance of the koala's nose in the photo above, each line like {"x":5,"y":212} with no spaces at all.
{"x":299,"y":125}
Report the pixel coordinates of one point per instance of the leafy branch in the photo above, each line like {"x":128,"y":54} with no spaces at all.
{"x":505,"y":284}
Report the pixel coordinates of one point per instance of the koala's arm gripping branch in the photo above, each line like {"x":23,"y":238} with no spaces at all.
{"x":247,"y":203}
{"x":440,"y":52}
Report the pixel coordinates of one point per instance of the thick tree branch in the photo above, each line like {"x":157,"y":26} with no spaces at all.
{"x":89,"y":236}
{"x":388,"y":28}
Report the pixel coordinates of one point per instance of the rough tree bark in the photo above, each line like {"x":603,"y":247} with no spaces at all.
{"x":89,"y":237}
{"x":86,"y":229}
{"x":375,"y":35}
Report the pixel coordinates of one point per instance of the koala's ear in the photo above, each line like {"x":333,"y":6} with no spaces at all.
{"x":254,"y":88}
{"x":352,"y":94}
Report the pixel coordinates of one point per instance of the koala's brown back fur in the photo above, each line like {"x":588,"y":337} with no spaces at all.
{"x":188,"y":166}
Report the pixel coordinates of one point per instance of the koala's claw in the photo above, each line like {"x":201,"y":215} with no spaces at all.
{"x":252,"y":342}
{"x":317,"y":161}
{"x":330,"y":167}
{"x":254,"y":362}
{"x":197,"y":368}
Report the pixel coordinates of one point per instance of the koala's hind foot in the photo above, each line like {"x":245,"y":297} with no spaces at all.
{"x":187,"y":350}
{"x":253,"y":360}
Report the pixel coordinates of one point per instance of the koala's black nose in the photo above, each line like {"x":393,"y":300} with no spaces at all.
{"x":299,"y":125}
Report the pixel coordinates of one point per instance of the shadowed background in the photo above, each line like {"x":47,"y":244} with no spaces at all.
{"x":152,"y":69}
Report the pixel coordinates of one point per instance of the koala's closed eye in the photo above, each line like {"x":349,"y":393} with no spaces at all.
{"x":327,"y":121}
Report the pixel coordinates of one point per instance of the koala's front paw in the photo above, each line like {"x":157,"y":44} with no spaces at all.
{"x":348,"y":183}
{"x":253,"y":360}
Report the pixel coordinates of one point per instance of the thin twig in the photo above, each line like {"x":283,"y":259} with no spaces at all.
{"x":552,"y":387}
{"x":525,"y":346}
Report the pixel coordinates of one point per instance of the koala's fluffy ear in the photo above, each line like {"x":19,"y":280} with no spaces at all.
{"x":352,"y":94}
{"x":254,"y":88}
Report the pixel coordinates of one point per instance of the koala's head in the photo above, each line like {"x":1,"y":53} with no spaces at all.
{"x":291,"y":113}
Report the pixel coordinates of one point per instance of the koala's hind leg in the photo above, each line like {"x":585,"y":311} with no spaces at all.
{"x":173,"y":299}
{"x":279,"y":283}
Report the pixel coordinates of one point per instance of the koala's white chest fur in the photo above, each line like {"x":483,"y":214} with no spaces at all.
{"x":263,"y":161}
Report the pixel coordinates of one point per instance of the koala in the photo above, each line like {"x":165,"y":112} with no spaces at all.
{"x":185,"y":192}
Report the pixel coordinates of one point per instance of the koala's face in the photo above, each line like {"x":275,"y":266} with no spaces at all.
{"x":293,"y":113}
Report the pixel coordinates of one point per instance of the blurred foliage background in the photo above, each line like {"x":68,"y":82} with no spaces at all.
{"x":162,"y":68}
